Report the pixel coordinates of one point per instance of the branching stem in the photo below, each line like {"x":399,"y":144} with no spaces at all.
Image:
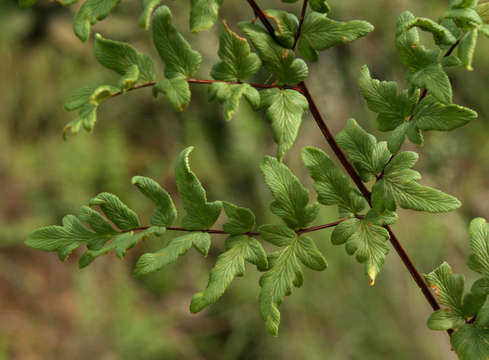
{"x":302,"y":88}
{"x":260,"y":14}
{"x":356,"y":178}
{"x":301,"y":21}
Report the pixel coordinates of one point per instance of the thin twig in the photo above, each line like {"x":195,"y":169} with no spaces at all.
{"x":141,"y":86}
{"x":332,"y":142}
{"x":319,"y":227}
{"x":208,"y":82}
{"x":301,"y":21}
{"x":251,"y":233}
{"x":454,"y":45}
{"x":210,"y":231}
{"x":259,"y":13}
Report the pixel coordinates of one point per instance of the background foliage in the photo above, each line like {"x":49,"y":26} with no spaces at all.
{"x":52,"y":311}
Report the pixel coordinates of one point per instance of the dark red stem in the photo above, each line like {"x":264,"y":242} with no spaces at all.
{"x":208,"y":82}
{"x":332,"y":142}
{"x":319,"y":227}
{"x":355,"y":177}
{"x":260,"y":14}
{"x":301,"y":21}
{"x":251,"y":233}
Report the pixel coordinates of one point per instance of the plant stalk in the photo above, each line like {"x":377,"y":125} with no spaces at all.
{"x":353,"y":174}
{"x":251,"y":233}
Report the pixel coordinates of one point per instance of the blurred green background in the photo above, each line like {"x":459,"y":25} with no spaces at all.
{"x":52,"y":310}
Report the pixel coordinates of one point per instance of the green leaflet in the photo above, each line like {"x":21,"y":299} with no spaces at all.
{"x":177,"y":54}
{"x":332,"y":186}
{"x":86,"y":100}
{"x":203,"y":14}
{"x":176,"y":90}
{"x":444,"y":320}
{"x":479,"y":244}
{"x":448,"y":287}
{"x":383,"y":97}
{"x":425,"y":68}
{"x":237,"y":61}
{"x":116,"y":211}
{"x":441,"y":34}
{"x":181,"y":61}
{"x":230,"y":264}
{"x":230,"y":95}
{"x":165,"y":212}
{"x":320,"y":33}
{"x":148,"y":7}
{"x":278,"y":235}
{"x":475,"y":299}
{"x":320,"y":6}
{"x":90,"y":12}
{"x":240,"y":220}
{"x":179,"y":246}
{"x":367,"y":240}
{"x":135,"y":67}
{"x":200,"y":214}
{"x":453,"y":27}
{"x":470,"y":341}
{"x":426,"y":71}
{"x":120,"y":244}
{"x":277,"y":283}
{"x":398,"y":186}
{"x":281,"y":62}
{"x":449,"y":290}
{"x":466,"y":17}
{"x":309,"y":255}
{"x":286,"y":26}
{"x":466,"y":49}
{"x":239,"y":248}
{"x":481,"y":286}
{"x":367,"y":156}
{"x":386,"y":218}
{"x":285,"y":270}
{"x":284,"y":111}
{"x":430,"y":114}
{"x":291,"y":197}
{"x":451,"y":61}
{"x":399,"y":134}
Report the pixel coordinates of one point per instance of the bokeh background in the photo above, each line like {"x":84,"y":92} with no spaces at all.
{"x":52,"y":310}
